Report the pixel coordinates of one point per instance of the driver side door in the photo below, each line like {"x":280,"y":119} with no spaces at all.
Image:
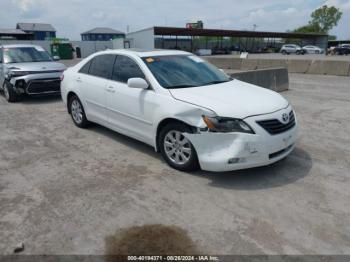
{"x":130,"y":110}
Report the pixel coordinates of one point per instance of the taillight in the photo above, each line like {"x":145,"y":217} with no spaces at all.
{"x":62,"y":77}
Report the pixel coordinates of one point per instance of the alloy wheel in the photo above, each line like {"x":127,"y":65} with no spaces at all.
{"x":6,"y":93}
{"x":177,"y":147}
{"x":77,"y":111}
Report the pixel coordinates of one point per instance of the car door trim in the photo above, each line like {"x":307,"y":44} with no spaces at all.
{"x":130,"y":116}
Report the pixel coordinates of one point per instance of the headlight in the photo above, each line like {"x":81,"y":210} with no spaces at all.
{"x":17,"y":73}
{"x":227,"y":125}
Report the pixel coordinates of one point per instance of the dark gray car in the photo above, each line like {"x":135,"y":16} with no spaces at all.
{"x":28,"y":69}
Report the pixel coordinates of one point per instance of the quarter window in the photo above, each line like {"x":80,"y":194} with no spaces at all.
{"x":102,"y":66}
{"x":125,"y":68}
{"x":85,"y":68}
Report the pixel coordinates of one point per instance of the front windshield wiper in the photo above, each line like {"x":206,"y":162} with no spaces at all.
{"x":217,"y":82}
{"x":180,"y":86}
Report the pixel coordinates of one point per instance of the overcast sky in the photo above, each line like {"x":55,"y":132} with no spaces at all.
{"x":72,"y":17}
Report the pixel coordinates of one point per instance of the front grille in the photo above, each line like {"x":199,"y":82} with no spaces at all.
{"x":44,"y":86}
{"x":274,"y":126}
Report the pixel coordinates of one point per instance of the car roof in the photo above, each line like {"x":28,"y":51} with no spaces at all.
{"x":145,"y":53}
{"x":18,"y":45}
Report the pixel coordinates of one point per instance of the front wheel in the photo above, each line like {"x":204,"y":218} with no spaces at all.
{"x":176,"y":149}
{"x":9,"y":93}
{"x":77,"y":112}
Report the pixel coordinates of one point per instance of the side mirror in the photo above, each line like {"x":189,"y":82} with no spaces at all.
{"x":56,"y":58}
{"x":137,"y":83}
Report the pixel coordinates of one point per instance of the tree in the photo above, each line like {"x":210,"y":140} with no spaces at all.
{"x":326,"y":17}
{"x":323,"y":20}
{"x":310,"y":28}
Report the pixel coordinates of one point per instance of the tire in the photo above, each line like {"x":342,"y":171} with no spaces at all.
{"x":284,"y":52}
{"x":77,"y":112}
{"x":317,"y":52}
{"x":184,"y":156}
{"x":9,"y":93}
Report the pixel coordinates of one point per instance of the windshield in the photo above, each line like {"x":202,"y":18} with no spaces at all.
{"x":181,"y":71}
{"x":25,"y":54}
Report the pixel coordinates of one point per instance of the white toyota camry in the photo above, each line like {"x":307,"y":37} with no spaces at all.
{"x":187,"y":109}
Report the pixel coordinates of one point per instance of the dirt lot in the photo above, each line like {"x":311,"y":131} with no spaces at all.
{"x":65,"y":190}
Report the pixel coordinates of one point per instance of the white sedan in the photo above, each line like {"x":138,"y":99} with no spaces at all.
{"x":187,"y":109}
{"x":311,"y":49}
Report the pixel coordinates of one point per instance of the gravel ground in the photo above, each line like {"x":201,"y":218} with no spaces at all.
{"x":65,"y":190}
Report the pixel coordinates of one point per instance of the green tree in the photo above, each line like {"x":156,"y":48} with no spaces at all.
{"x":326,"y":17}
{"x":310,"y":28}
{"x":322,"y":20}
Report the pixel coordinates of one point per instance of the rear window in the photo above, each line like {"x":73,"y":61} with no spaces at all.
{"x":102,"y":66}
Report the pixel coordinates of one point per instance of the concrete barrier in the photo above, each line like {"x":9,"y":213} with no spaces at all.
{"x":225,"y":63}
{"x":249,"y":64}
{"x":275,"y":78}
{"x":298,"y":66}
{"x":322,"y":67}
{"x":271,"y":63}
{"x":338,"y":68}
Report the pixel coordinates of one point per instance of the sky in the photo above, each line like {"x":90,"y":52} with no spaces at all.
{"x":72,"y":17}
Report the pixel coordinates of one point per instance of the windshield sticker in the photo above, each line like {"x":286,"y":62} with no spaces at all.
{"x":196,"y":59}
{"x":150,"y":60}
{"x":39,"y":48}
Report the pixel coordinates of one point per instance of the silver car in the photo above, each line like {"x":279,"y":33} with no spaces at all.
{"x":292,"y":49}
{"x":311,"y":49}
{"x":28,"y":69}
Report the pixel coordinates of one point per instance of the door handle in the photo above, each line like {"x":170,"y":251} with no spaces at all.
{"x":79,"y":80}
{"x":110,"y":89}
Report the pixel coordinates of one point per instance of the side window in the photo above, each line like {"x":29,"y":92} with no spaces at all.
{"x":85,"y":68}
{"x":102,"y":66}
{"x":126,"y":68}
{"x":0,"y":55}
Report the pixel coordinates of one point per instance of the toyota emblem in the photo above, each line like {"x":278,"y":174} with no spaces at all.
{"x":285,"y":118}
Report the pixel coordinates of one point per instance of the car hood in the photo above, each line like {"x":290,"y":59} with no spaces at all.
{"x":232,"y":99}
{"x":36,"y":66}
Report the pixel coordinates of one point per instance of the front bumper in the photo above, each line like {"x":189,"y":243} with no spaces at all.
{"x":35,"y":84}
{"x":220,"y":152}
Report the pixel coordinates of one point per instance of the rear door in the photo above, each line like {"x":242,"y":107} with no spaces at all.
{"x":92,"y":80}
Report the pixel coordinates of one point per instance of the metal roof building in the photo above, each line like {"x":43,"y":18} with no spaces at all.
{"x":101,"y":34}
{"x":191,"y":39}
{"x":40,"y":31}
{"x":16,"y":34}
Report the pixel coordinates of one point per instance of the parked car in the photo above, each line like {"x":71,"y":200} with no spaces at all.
{"x":292,"y":49}
{"x":311,"y":49}
{"x":28,"y":69}
{"x":186,"y":108}
{"x":343,"y":49}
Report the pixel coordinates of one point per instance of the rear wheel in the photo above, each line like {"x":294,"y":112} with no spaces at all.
{"x":77,"y":112}
{"x":284,"y":52}
{"x":176,"y":149}
{"x":9,"y":93}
